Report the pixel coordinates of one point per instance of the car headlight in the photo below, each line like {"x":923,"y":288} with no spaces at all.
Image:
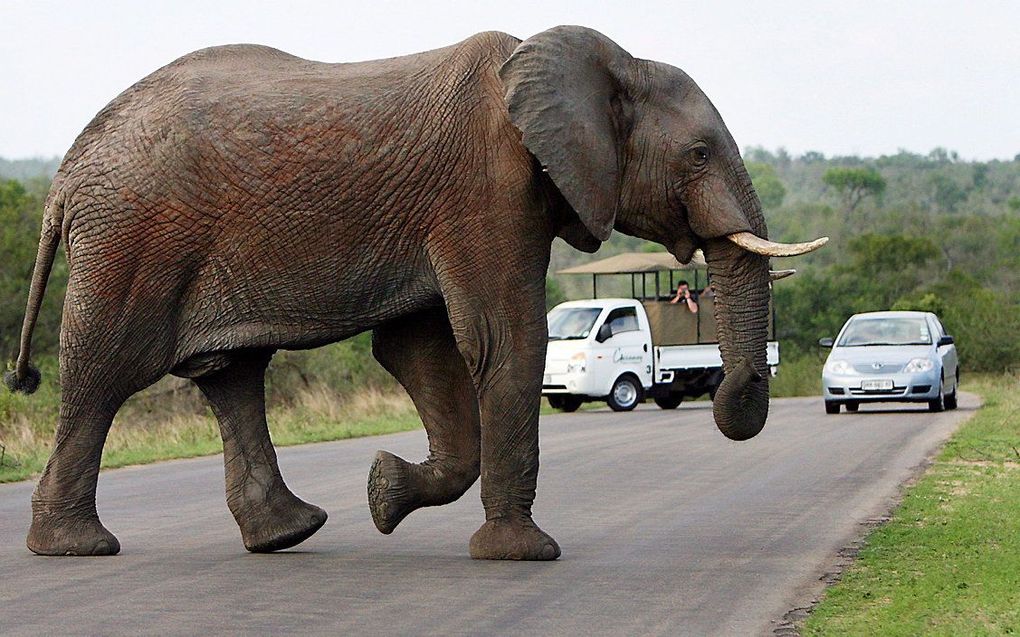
{"x":578,"y":363}
{"x":839,"y":367}
{"x":919,"y":365}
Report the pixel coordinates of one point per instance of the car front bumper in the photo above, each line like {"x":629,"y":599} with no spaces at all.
{"x":915,"y":387}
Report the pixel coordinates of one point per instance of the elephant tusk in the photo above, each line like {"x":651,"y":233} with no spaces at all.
{"x":775,"y":275}
{"x":756,"y":244}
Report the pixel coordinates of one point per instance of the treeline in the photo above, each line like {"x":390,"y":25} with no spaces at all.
{"x":908,"y":231}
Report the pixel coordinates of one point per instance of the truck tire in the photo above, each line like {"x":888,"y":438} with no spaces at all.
{"x":831,"y":407}
{"x":565,"y":402}
{"x":626,"y":394}
{"x":671,"y":401}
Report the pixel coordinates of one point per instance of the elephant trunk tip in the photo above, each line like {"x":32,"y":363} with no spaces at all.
{"x":741,"y":404}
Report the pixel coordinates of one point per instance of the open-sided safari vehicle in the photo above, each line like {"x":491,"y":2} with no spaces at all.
{"x":622,"y":350}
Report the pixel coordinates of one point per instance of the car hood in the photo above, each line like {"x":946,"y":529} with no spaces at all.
{"x":886,"y":354}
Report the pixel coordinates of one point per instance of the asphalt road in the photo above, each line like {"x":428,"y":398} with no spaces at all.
{"x":666,"y":528}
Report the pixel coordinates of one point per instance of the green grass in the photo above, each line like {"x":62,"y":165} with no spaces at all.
{"x":800,"y":376}
{"x":329,"y":394}
{"x":314,"y":416}
{"x":948,"y":562}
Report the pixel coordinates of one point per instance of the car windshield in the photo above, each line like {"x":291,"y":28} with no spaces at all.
{"x":862,"y":332}
{"x":572,"y":322}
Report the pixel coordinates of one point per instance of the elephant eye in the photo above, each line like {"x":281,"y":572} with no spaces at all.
{"x":699,"y":155}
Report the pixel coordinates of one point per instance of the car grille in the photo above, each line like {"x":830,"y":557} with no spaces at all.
{"x":883,"y":368}
{"x":895,"y":391}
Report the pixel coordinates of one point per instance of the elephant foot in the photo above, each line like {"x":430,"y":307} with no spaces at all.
{"x":57,"y":535}
{"x":389,"y":491}
{"x":280,"y":524}
{"x":513,"y":539}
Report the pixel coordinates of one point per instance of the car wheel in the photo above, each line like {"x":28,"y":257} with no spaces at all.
{"x":670,"y":402}
{"x":939,"y":403}
{"x":831,"y":407}
{"x":625,"y":394}
{"x":950,"y":400}
{"x":853,"y":407}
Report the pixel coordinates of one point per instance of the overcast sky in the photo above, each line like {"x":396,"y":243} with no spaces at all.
{"x":846,"y":78}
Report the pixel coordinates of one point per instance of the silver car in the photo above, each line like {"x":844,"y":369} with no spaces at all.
{"x":890,"y":357}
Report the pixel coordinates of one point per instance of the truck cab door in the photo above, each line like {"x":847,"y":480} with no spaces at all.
{"x":626,"y":347}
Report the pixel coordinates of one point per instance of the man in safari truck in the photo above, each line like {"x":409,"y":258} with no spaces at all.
{"x":683,"y":293}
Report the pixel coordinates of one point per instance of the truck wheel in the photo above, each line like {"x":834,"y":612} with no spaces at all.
{"x":853,"y":407}
{"x":565,"y":403}
{"x":670,"y":402}
{"x":831,"y":407}
{"x":625,"y":394}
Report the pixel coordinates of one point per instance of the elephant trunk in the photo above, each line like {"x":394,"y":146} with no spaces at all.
{"x":740,"y":279}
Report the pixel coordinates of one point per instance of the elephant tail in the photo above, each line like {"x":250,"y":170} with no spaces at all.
{"x":25,"y":377}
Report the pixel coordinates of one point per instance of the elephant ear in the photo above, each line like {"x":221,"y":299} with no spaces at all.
{"x":565,"y":93}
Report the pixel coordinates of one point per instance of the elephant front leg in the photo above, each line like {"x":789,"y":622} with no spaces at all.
{"x":505,"y":350}
{"x":420,"y":351}
{"x":269,"y":515}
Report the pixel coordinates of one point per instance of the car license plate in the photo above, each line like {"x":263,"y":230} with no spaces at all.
{"x":547,"y":379}
{"x":876,"y":384}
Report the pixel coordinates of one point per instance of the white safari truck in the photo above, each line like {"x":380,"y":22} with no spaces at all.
{"x":622,"y":350}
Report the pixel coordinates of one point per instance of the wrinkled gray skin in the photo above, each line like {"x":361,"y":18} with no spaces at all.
{"x":242,"y":200}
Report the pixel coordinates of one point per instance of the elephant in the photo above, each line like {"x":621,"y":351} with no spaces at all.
{"x":242,"y":200}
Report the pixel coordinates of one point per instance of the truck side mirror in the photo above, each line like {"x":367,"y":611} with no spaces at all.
{"x":945,"y":340}
{"x":605,"y":333}
{"x":825,"y":342}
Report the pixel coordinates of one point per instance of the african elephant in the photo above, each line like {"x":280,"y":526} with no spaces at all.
{"x":242,"y":200}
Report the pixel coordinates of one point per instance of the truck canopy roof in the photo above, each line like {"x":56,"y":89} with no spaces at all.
{"x":636,"y":263}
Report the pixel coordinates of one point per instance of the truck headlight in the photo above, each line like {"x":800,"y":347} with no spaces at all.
{"x":839,"y":367}
{"x":919,"y":365}
{"x":578,"y":363}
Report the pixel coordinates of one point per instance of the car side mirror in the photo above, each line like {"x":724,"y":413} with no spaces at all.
{"x":945,"y":340}
{"x":825,"y":342}
{"x":605,"y":333}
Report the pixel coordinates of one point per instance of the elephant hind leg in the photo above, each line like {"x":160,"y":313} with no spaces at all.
{"x":64,"y":516}
{"x":269,"y":515}
{"x":420,"y":351}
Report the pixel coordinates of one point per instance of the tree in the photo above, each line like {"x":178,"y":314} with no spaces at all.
{"x":884,"y":267}
{"x":854,"y":184}
{"x":770,"y":189}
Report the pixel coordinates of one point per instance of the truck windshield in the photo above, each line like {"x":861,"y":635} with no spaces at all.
{"x":572,"y":322}
{"x":886,"y":331}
